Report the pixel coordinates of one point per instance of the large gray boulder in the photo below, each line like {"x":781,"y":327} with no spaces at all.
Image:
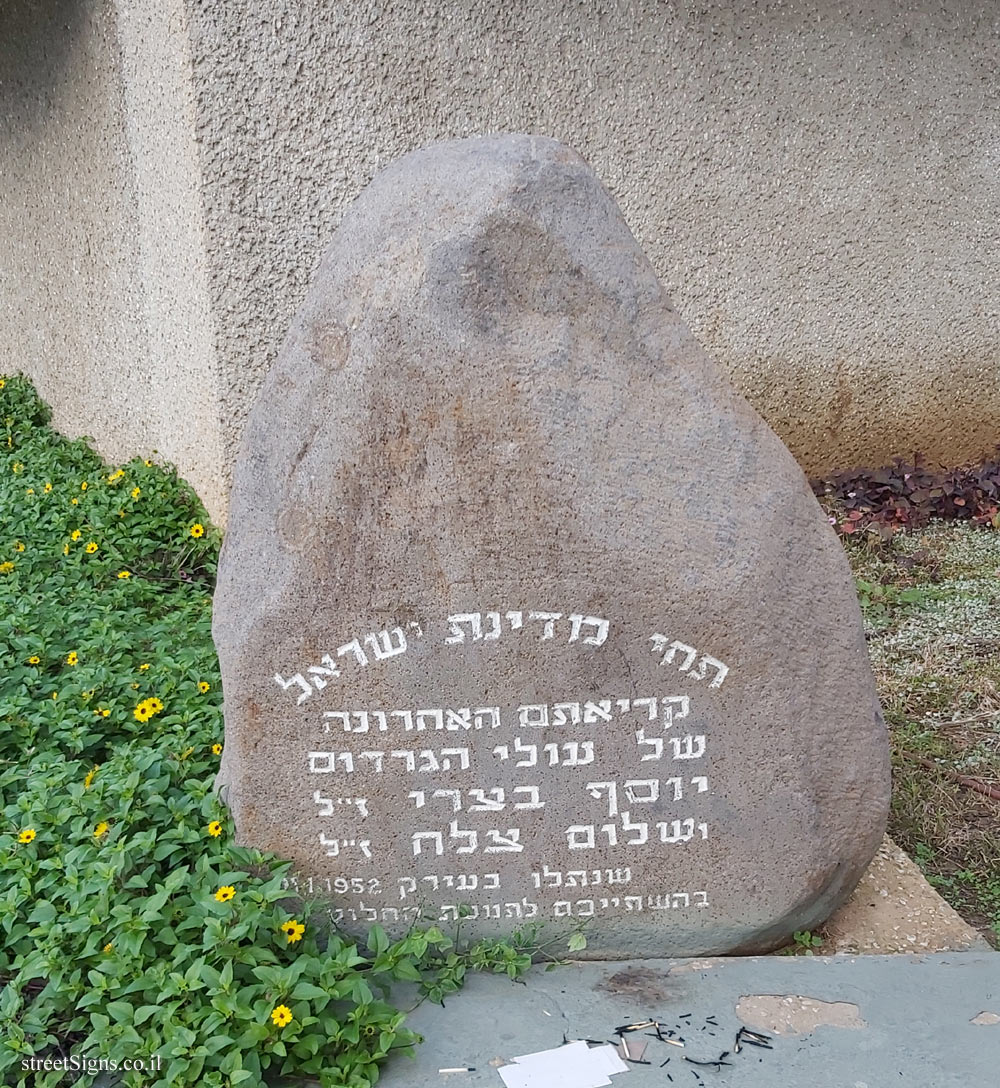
{"x":522,"y":611}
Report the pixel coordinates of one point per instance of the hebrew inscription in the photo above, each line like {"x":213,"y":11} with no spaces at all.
{"x":462,"y":627}
{"x":453,"y":787}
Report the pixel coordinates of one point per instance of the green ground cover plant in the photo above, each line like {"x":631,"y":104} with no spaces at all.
{"x":924,"y":547}
{"x":131,"y":924}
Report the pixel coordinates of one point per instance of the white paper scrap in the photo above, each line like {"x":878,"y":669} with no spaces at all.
{"x":607,"y":1059}
{"x":575,"y":1065}
{"x":542,"y":1057}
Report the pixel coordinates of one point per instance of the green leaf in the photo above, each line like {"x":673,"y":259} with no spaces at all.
{"x":406,"y":971}
{"x":252,"y":1035}
{"x":232,"y":1061}
{"x":44,"y":912}
{"x":218,"y":1042}
{"x":175,"y":1071}
{"x":378,"y":941}
{"x":119,"y":1011}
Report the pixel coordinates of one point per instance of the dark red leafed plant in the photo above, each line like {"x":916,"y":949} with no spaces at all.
{"x":906,"y":495}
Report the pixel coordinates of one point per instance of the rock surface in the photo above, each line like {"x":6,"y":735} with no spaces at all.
{"x":522,"y":611}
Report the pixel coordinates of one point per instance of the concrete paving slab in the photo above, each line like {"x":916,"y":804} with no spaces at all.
{"x":835,"y":1022}
{"x":894,"y":909}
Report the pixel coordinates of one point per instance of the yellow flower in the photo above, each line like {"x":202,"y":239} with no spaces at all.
{"x":72,"y":659}
{"x":17,"y":466}
{"x":6,"y":568}
{"x":48,"y":488}
{"x":148,"y":464}
{"x":88,"y":779}
{"x":2,"y":383}
{"x":18,"y":546}
{"x":26,"y":836}
{"x":34,"y":659}
{"x":142,"y":712}
{"x":225,"y":893}
{"x":91,"y":547}
{"x":116,"y":476}
{"x":282,"y":1016}
{"x":101,"y":829}
{"x":294,"y":930}
{"x":136,"y":492}
{"x":124,"y":574}
{"x":197,"y":529}
{"x":83,"y":486}
{"x":216,"y":749}
{"x":104,"y":712}
{"x":203,"y":686}
{"x":144,"y":667}
{"x":215,"y":829}
{"x":75,"y":502}
{"x":55,"y":695}
{"x":76,"y":534}
{"x":186,"y":753}
{"x":65,"y":549}
{"x":30,"y":491}
{"x":154,"y":704}
{"x":108,"y":947}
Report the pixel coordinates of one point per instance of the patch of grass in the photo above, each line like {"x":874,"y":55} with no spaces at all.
{"x":931,"y":602}
{"x":132,"y":925}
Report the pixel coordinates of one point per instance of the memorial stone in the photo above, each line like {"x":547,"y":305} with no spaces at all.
{"x":522,"y":611}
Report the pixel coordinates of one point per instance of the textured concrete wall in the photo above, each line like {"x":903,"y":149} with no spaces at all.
{"x":183,"y":394}
{"x":70,"y":292}
{"x":102,"y":271}
{"x":816,"y":184}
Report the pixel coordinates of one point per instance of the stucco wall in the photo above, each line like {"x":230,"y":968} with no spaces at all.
{"x":102,"y":271}
{"x":67,"y":218}
{"x":816,"y":184}
{"x":183,"y":391}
